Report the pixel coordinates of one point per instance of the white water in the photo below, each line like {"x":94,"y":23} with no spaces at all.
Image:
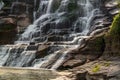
{"x":59,"y":61}
{"x":89,"y":12}
{"x":50,"y":24}
{"x":85,"y":21}
{"x":49,"y":6}
{"x":3,"y":55}
{"x":1,"y":4}
{"x":34,"y":11}
{"x":45,"y":60}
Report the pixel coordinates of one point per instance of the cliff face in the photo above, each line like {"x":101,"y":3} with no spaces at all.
{"x":18,"y":13}
{"x":101,"y":40}
{"x":97,"y":60}
{"x":113,"y":39}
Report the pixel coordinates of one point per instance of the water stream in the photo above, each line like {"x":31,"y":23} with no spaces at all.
{"x":62,"y":23}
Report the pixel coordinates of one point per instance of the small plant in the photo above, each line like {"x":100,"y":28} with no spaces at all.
{"x":96,"y":68}
{"x":106,"y":64}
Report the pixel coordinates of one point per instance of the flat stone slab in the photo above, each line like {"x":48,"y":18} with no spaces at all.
{"x":26,"y":74}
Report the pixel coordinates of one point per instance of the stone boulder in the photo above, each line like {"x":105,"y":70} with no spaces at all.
{"x":97,"y":70}
{"x":92,"y":50}
{"x":8,"y":30}
{"x":21,"y":11}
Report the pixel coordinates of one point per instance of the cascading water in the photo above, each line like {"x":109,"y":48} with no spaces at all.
{"x":61,"y":23}
{"x":1,"y":4}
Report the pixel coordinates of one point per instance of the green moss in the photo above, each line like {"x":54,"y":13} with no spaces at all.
{"x":99,"y":40}
{"x":118,"y":1}
{"x":99,"y":66}
{"x":115,"y":27}
{"x":72,"y":5}
{"x":98,"y":43}
{"x":96,"y":68}
{"x":119,"y":4}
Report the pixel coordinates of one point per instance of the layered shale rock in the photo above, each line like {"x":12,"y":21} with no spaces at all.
{"x":22,"y":11}
{"x":53,"y":40}
{"x":19,"y":13}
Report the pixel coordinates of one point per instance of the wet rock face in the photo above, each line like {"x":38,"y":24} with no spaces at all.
{"x":93,"y":49}
{"x":98,"y":70}
{"x":21,"y":10}
{"x":96,"y":46}
{"x":112,"y":46}
{"x":15,"y":17}
{"x":7,"y":37}
{"x":64,"y":24}
{"x":18,"y":8}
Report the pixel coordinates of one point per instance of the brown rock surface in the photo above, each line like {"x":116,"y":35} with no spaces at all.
{"x":26,"y":74}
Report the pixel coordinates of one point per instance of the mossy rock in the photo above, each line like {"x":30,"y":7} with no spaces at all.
{"x":115,"y":27}
{"x":112,"y":45}
{"x":72,"y":5}
{"x":118,"y":3}
{"x":112,"y":38}
{"x":97,"y":43}
{"x":94,"y":48}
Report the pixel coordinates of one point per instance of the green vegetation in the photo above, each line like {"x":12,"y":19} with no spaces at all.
{"x":99,"y":40}
{"x":99,"y":66}
{"x":115,"y":27}
{"x":118,"y":3}
{"x":96,"y":68}
{"x":98,"y":43}
{"x":72,"y":5}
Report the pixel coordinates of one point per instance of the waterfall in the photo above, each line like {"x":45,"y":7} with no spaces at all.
{"x":1,"y":4}
{"x":63,"y":24}
{"x":59,"y":61}
{"x":34,"y":12}
{"x":49,"y":6}
{"x":3,"y":55}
